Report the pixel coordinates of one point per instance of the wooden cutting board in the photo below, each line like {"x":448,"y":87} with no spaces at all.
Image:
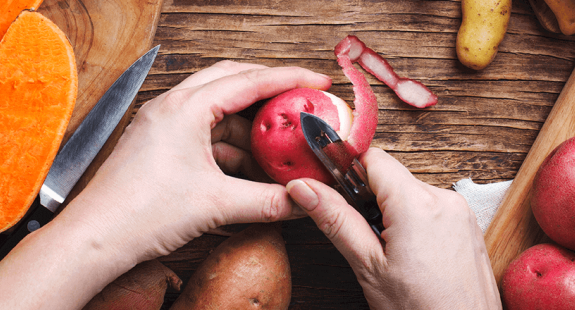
{"x":514,"y":228}
{"x":107,"y":36}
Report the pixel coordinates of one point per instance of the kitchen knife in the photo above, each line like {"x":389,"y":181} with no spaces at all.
{"x":82,"y":147}
{"x":353,"y":182}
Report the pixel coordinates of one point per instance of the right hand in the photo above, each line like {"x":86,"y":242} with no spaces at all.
{"x":432,"y":255}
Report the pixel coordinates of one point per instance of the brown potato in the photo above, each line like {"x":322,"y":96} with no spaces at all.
{"x":250,"y":270}
{"x":142,"y":288}
{"x":564,"y":11}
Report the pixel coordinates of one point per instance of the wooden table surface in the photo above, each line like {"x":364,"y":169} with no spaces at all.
{"x":482,"y":127}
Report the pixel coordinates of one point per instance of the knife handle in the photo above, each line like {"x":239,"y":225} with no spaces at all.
{"x":360,"y":196}
{"x":38,"y":218}
{"x":373,"y":216}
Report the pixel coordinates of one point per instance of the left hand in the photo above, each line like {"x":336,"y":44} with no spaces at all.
{"x":164,"y":182}
{"x":162,"y":186}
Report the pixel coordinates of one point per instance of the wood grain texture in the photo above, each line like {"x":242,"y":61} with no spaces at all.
{"x":107,"y":36}
{"x":514,"y":228}
{"x":482,"y":128}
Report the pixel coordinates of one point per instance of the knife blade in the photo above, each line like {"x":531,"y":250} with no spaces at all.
{"x":78,"y":153}
{"x":353,"y":181}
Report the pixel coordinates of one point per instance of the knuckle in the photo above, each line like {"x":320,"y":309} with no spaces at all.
{"x":331,"y":224}
{"x":427,"y":196}
{"x":228,"y":128}
{"x":225,"y":64}
{"x":173,"y":101}
{"x":456,"y":201}
{"x":271,"y":211}
{"x":251,"y":75}
{"x":457,"y":206}
{"x":370,"y":266}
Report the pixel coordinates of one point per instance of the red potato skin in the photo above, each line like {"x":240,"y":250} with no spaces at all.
{"x":342,"y":155}
{"x":277,"y":140}
{"x":542,"y":277}
{"x":142,"y":288}
{"x":250,"y":270}
{"x":365,"y":113}
{"x":278,"y":143}
{"x":410,"y":91}
{"x":553,"y":199}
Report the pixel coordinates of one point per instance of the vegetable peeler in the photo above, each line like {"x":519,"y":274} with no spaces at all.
{"x":353,"y":181}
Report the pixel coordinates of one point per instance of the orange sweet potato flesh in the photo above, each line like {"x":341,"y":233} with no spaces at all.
{"x":142,"y":288}
{"x":250,"y":270}
{"x":10,"y":9}
{"x":38,"y":86}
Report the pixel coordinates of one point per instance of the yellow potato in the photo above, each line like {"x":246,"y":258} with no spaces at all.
{"x":483,"y":27}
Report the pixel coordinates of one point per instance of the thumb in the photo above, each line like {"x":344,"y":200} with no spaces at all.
{"x":340,"y":222}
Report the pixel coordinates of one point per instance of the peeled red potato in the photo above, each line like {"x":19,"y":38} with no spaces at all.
{"x":250,"y":270}
{"x":277,"y":140}
{"x":553,"y":198}
{"x":278,"y":143}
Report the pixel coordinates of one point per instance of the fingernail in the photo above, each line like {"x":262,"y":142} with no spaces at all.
{"x":302,"y":194}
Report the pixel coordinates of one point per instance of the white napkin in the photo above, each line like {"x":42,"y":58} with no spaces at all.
{"x":483,"y":199}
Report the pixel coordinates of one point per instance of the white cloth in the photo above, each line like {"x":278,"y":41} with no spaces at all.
{"x":483,"y":199}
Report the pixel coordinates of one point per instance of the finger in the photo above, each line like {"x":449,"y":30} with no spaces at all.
{"x":234,"y":130}
{"x":216,"y":71}
{"x":343,"y":225}
{"x":390,"y":181}
{"x":231,"y":94}
{"x":233,"y":160}
{"x":257,"y":202}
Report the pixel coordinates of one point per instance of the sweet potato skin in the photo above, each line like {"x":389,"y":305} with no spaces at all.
{"x":142,"y":288}
{"x":249,"y":270}
{"x":564,"y":11}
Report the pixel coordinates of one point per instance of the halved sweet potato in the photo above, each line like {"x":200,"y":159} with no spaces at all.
{"x":10,"y":9}
{"x":38,"y":86}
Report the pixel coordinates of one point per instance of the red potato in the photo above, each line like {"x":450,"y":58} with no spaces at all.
{"x":277,"y":140}
{"x":250,"y":270}
{"x":553,"y":200}
{"x":542,"y":277}
{"x":142,"y":288}
{"x":278,"y":143}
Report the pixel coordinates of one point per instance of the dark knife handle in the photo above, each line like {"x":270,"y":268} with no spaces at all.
{"x":372,"y":214}
{"x":360,"y":196}
{"x":38,"y":218}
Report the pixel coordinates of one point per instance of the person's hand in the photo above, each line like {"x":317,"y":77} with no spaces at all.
{"x":432,"y":256}
{"x":163,"y":185}
{"x":165,"y":176}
